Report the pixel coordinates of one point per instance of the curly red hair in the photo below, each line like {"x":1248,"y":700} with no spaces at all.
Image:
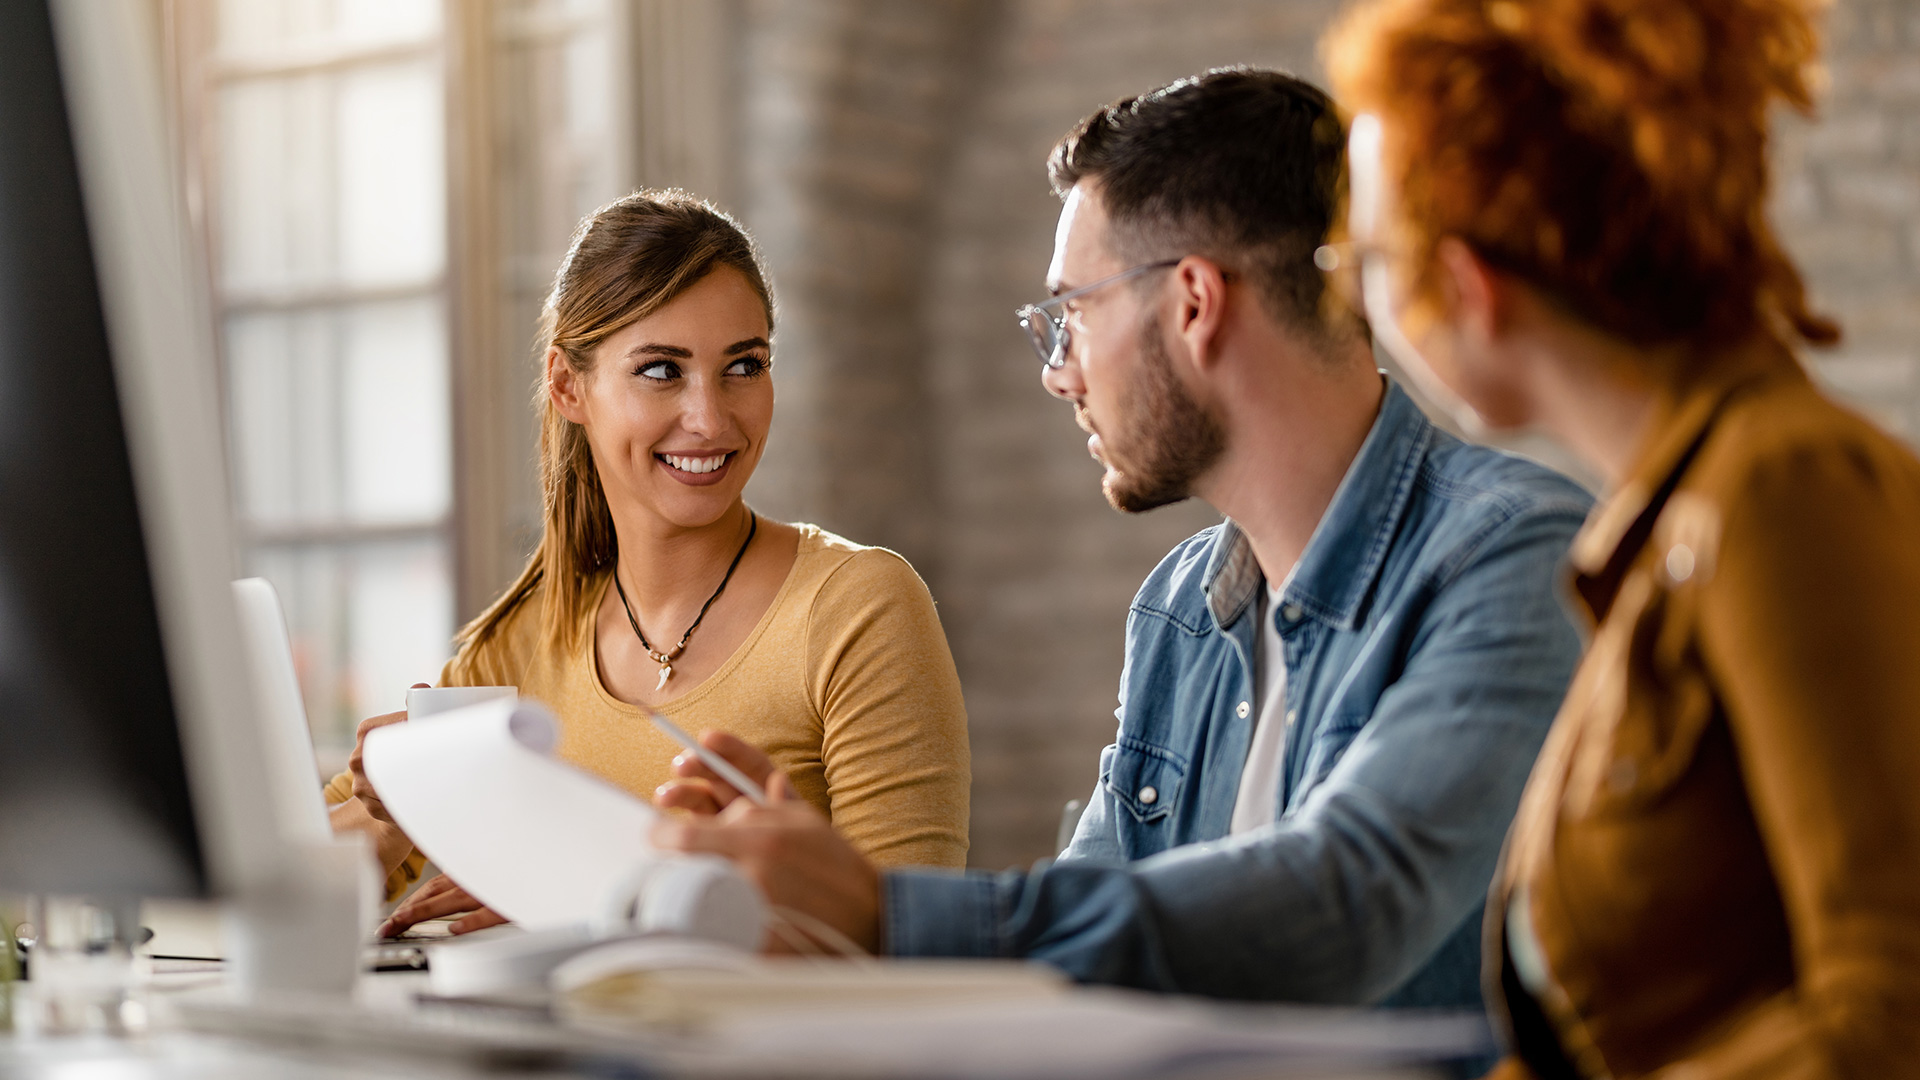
{"x":1611,"y":152}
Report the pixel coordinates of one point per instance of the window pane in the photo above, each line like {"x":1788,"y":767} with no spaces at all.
{"x":333,"y":179}
{"x":400,"y":622}
{"x":276,"y":214}
{"x":396,"y":434}
{"x":254,"y":27}
{"x":367,"y":621}
{"x":587,"y":71}
{"x":387,"y":20}
{"x":283,"y":393}
{"x":341,"y":416}
{"x":392,"y":201}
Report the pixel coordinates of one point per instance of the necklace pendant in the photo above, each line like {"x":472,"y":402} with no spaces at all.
{"x":666,"y":672}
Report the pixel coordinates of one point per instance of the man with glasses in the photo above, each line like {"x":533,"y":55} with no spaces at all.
{"x":1331,"y":700}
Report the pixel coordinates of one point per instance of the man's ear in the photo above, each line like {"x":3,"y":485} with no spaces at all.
{"x":1202,"y":294}
{"x":565,"y":386}
{"x":1477,"y":295}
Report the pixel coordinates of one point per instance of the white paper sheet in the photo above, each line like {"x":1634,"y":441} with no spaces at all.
{"x":478,"y":791}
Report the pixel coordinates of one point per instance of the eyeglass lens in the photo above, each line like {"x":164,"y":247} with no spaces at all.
{"x":1047,"y":336}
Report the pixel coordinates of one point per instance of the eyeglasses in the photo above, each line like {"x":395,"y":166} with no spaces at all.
{"x":1341,"y":261}
{"x":1046,"y":322}
{"x":1329,"y":257}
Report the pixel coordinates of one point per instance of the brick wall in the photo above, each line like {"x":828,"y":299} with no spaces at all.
{"x":891,"y":162}
{"x":848,"y":133}
{"x":1848,"y":205}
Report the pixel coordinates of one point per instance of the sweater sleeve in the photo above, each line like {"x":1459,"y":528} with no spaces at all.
{"x":894,"y":728}
{"x":339,"y":789}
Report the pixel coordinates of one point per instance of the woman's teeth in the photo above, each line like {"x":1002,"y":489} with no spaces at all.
{"x":695,"y":464}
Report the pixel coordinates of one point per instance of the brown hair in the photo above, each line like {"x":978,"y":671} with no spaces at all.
{"x":627,"y":260}
{"x":1243,"y":165}
{"x":1612,"y":152}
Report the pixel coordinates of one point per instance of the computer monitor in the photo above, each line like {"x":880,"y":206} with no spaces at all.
{"x":130,"y":764}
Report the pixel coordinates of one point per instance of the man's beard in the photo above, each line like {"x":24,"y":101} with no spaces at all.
{"x":1168,"y":438}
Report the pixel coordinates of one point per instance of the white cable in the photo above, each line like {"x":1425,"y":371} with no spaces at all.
{"x":819,"y":932}
{"x":797,"y":941}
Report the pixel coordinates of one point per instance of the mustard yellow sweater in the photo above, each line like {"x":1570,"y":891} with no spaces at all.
{"x":847,"y":683}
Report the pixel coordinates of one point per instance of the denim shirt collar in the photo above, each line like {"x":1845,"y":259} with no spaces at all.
{"x":1343,"y":556}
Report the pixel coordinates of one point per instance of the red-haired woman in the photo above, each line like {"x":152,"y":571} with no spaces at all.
{"x":1559,"y":219}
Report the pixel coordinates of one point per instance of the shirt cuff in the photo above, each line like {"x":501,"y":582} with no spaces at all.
{"x":929,"y":913}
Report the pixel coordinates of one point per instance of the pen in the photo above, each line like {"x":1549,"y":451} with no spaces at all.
{"x":731,"y":775}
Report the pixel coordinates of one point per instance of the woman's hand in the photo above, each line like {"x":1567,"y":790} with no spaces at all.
{"x":363,"y":792}
{"x":787,"y":848}
{"x":700,"y":789}
{"x":356,"y":762}
{"x":390,"y":846}
{"x":363,"y":812}
{"x":437,"y":899}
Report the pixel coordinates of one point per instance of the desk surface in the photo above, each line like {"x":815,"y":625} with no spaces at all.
{"x":193,"y":1056}
{"x":386,"y":1033}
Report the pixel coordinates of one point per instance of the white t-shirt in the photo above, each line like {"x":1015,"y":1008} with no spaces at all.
{"x":1257,"y":801}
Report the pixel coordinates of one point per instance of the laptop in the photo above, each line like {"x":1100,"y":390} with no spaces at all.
{"x":192,"y":931}
{"x":281,"y":709}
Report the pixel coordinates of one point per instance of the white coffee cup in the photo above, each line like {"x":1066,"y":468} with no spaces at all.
{"x":427,"y":700}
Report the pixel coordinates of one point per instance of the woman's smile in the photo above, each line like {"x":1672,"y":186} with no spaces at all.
{"x":697,"y":470}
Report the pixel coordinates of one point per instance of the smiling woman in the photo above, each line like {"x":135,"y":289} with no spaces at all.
{"x":656,"y":587}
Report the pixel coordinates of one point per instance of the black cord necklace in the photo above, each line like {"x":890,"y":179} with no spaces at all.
{"x":665,"y":660}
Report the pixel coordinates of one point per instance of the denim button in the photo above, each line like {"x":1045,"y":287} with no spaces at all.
{"x":1148,"y":794}
{"x":1290,"y":612}
{"x":1241,"y":710}
{"x":1290,"y":716}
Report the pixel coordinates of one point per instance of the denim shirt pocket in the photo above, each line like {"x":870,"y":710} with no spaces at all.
{"x":1146,"y":779}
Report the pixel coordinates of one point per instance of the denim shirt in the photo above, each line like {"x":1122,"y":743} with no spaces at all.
{"x":1426,"y":650}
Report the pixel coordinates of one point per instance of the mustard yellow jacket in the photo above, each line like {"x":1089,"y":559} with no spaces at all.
{"x":1715,"y":871}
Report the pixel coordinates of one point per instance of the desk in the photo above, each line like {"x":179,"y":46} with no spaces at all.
{"x":170,"y":1051}
{"x":189,"y":1056}
{"x":387,"y":1032}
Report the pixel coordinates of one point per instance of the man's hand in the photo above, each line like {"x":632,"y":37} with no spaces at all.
{"x":356,"y":762}
{"x":702,"y":790}
{"x":437,"y":899}
{"x":786,"y":848}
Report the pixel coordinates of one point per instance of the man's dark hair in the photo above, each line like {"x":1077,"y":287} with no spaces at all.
{"x":1241,"y":165}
